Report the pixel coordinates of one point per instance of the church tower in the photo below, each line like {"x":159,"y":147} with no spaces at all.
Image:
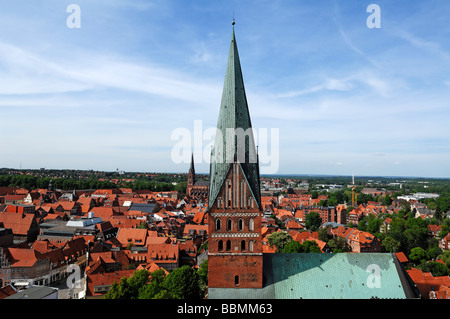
{"x":235,"y":258}
{"x":191,"y":177}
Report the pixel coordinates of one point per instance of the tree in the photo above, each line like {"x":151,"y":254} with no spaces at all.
{"x":277,"y":221}
{"x":138,"y":280}
{"x":339,"y":245}
{"x":417,"y":254}
{"x":203,"y":276}
{"x":387,"y":200}
{"x":436,"y":268}
{"x":143,"y":225}
{"x":155,"y":290}
{"x":308,"y":246}
{"x":416,"y":233}
{"x":313,"y":221}
{"x":119,"y":290}
{"x":390,"y":244}
{"x":183,"y":283}
{"x":293,"y":247}
{"x":324,"y":235}
{"x":396,"y":231}
{"x":311,"y":246}
{"x":279,"y":240}
{"x":181,"y":187}
{"x":374,"y":224}
{"x":433,"y":251}
{"x":445,"y":227}
{"x":362,"y":225}
{"x":438,"y":213}
{"x":445,"y":256}
{"x":128,"y":288}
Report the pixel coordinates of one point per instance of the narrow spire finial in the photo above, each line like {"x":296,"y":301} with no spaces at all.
{"x":234,"y":22}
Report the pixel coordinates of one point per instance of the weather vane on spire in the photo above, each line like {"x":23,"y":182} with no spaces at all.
{"x":234,"y":22}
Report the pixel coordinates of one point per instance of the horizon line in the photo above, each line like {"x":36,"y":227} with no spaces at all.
{"x":201,"y":173}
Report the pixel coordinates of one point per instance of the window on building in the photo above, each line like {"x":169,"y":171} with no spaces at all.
{"x":229,"y":224}
{"x":220,"y":245}
{"x":240,"y":224}
{"x":243,"y":245}
{"x":250,"y":245}
{"x":236,"y":280}
{"x":218,"y":224}
{"x":228,"y":245}
{"x":228,"y":194}
{"x":251,"y":225}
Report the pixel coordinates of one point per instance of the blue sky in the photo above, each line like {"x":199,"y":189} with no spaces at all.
{"x":346,"y":99}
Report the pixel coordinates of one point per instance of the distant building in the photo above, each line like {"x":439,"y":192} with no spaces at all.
{"x":373,"y":191}
{"x":196,"y":188}
{"x":418,"y":196}
{"x":59,"y":231}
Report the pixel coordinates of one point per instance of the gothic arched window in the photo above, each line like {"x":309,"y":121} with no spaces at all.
{"x":251,"y":225}
{"x":218,"y":224}
{"x":229,"y":224}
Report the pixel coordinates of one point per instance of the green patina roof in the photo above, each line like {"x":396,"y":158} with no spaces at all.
{"x":325,"y":276}
{"x":234,"y":114}
{"x":330,"y":276}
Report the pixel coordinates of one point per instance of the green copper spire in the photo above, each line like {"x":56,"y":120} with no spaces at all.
{"x":234,"y":138}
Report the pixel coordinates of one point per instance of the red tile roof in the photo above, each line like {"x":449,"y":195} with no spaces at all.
{"x":22,"y":257}
{"x":20,"y":224}
{"x":135,"y":236}
{"x":426,"y":282}
{"x":163,"y":252}
{"x":401,"y":257}
{"x":151,"y":267}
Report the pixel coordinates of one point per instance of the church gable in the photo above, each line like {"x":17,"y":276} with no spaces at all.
{"x":234,"y":192}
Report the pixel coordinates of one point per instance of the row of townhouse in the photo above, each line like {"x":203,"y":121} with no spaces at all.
{"x":40,"y":264}
{"x":359,"y":241}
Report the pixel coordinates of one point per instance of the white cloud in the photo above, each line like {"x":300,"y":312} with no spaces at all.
{"x":428,"y":46}
{"x":24,"y":73}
